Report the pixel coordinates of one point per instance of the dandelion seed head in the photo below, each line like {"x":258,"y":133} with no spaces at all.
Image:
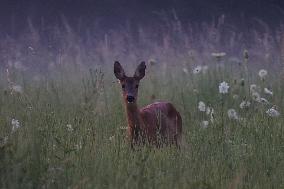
{"x":218,"y":55}
{"x":262,"y":74}
{"x":223,"y":87}
{"x":272,"y":112}
{"x":201,"y":106}
{"x":197,"y":69}
{"x":69,"y":127}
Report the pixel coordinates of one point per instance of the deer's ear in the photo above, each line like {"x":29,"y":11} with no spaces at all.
{"x":118,"y":71}
{"x":140,"y":71}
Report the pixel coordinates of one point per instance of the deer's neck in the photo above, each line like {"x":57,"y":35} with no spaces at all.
{"x":133,"y":116}
{"x":135,"y":122}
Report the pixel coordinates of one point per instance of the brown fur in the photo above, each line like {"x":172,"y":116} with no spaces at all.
{"x":158,"y":123}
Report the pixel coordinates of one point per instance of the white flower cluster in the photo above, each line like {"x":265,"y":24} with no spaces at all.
{"x":218,"y":54}
{"x":199,"y":69}
{"x":15,"y":125}
{"x":209,"y":112}
{"x":262,"y":74}
{"x":272,"y":112}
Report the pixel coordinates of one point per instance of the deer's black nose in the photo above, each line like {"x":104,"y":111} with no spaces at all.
{"x":130,"y":98}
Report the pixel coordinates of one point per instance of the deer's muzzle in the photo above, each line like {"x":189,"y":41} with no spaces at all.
{"x":130,"y":99}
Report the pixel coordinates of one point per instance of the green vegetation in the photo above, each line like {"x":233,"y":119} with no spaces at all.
{"x":64,"y":127}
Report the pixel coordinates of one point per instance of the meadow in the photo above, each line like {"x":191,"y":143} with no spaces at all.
{"x":63,"y":124}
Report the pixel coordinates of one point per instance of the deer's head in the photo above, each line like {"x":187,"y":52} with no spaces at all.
{"x":129,"y":85}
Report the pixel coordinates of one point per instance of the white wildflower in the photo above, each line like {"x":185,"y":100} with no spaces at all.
{"x":204,"y":124}
{"x":223,"y":87}
{"x":123,"y":128}
{"x":218,"y":55}
{"x":17,"y":89}
{"x":245,"y":104}
{"x":241,"y":119}
{"x":15,"y":125}
{"x":31,"y":48}
{"x":208,"y":110}
{"x":111,"y":138}
{"x":201,"y":106}
{"x":262,"y":73}
{"x":197,"y":69}
{"x":69,"y":127}
{"x":267,"y":91}
{"x":272,"y":112}
{"x":232,"y":114}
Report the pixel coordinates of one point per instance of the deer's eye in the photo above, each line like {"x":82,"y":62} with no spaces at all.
{"x":123,"y":86}
{"x":136,"y":86}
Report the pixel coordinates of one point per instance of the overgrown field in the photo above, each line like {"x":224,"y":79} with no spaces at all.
{"x":62,"y":120}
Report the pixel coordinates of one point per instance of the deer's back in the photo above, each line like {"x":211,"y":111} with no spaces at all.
{"x":163,"y":118}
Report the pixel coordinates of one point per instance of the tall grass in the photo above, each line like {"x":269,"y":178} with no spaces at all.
{"x":72,"y":121}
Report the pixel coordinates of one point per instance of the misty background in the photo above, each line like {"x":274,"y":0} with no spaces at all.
{"x":112,"y":13}
{"x":44,"y":33}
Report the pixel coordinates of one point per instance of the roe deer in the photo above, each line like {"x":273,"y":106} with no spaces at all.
{"x":158,"y":123}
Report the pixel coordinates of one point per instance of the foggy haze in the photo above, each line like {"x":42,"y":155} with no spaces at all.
{"x":103,"y":31}
{"x":113,"y":13}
